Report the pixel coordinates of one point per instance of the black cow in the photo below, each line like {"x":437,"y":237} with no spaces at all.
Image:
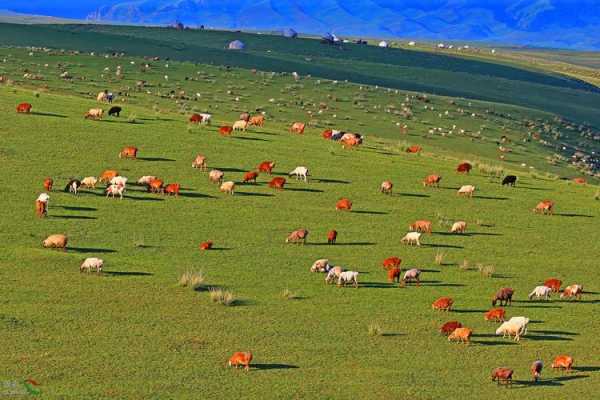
{"x":116,"y":110}
{"x":509,"y":180}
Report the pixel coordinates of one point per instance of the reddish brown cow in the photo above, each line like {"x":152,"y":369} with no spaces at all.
{"x":266,"y":166}
{"x":536,"y":369}
{"x":394,"y":274}
{"x":503,"y":295}
{"x":172,"y":189}
{"x":502,"y":375}
{"x":563,"y":362}
{"x":327,"y":133}
{"x":128,"y":152}
{"x":495,"y":314}
{"x":48,"y":182}
{"x":156,"y":186}
{"x":414,"y":149}
{"x":449,"y":327}
{"x":343,"y":204}
{"x":580,"y":181}
{"x":225,"y":130}
{"x":240,"y":359}
{"x":391,"y":262}
{"x":432,"y":180}
{"x":544,"y":207}
{"x":250,"y":176}
{"x":442,"y":304}
{"x":206,"y":245}
{"x":257,"y":120}
{"x":297,"y":236}
{"x":421,"y":226}
{"x":41,"y":208}
{"x":24,"y":108}
{"x":195,"y":118}
{"x":553,"y":284}
{"x":107,"y":175}
{"x":277,"y":183}
{"x":464,"y":168}
{"x":331,"y":236}
{"x":297,"y":127}
{"x":350,"y":142}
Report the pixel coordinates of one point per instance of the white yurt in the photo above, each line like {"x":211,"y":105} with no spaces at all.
{"x":290,"y":33}
{"x":383,"y":43}
{"x":236,"y":45}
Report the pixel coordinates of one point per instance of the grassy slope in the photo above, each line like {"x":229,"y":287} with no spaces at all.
{"x":133,"y":333}
{"x":405,"y":69}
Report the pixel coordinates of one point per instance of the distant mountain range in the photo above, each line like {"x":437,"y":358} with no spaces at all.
{"x":571,"y":24}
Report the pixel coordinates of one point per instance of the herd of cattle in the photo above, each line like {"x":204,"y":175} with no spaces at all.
{"x":515,"y":327}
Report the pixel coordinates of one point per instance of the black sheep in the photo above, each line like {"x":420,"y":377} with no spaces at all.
{"x":116,"y":110}
{"x":509,"y":180}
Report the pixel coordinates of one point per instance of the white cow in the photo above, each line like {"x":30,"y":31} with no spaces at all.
{"x":300,"y":173}
{"x":412,"y":238}
{"x":466,"y":190}
{"x":348,"y":277}
{"x":115,"y":189}
{"x":541,"y":291}
{"x":89,"y":182}
{"x":206,"y":118}
{"x":146,"y":179}
{"x":321,"y":265}
{"x":119,"y":180}
{"x":92,"y":263}
{"x":240,"y":125}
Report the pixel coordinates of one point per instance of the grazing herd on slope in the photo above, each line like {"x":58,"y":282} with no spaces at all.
{"x":515,"y":327}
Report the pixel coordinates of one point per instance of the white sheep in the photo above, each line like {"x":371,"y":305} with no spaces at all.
{"x":412,"y":238}
{"x":89,"y":182}
{"x":510,"y":329}
{"x":466,"y":190}
{"x":119,"y":180}
{"x":321,"y":265}
{"x":92,"y":263}
{"x":333,"y":274}
{"x":459,"y":227}
{"x":541,"y":291}
{"x":348,"y":277}
{"x":300,"y":173}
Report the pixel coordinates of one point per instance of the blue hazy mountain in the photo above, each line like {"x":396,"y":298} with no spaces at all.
{"x":548,"y":23}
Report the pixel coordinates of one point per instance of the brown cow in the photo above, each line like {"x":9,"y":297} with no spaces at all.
{"x":414,"y":149}
{"x":107,"y":175}
{"x":297,"y":127}
{"x":502,"y":375}
{"x":250,"y":176}
{"x":172,"y":189}
{"x":394,"y":274}
{"x":24,"y":108}
{"x":386,"y":187}
{"x":462,"y":335}
{"x":536,"y":369}
{"x":48,"y":182}
{"x":432,"y":180}
{"x":245,"y":117}
{"x":206,"y":245}
{"x":495,"y":314}
{"x":240,"y":359}
{"x":391,"y":262}
{"x":580,"y":181}
{"x":420,"y":226}
{"x":343,"y":204}
{"x":156,"y":186}
{"x":464,"y":168}
{"x":277,"y":183}
{"x":563,"y":362}
{"x":553,"y":284}
{"x":129,"y":152}
{"x":41,"y":208}
{"x":327,"y":133}
{"x":257,"y":120}
{"x":443,"y":304}
{"x":266,"y":166}
{"x":350,"y":142}
{"x":503,"y":295}
{"x":331,"y":236}
{"x":200,"y":162}
{"x":544,"y":207}
{"x":225,"y":130}
{"x":297,"y":236}
{"x":195,"y":118}
{"x":450,"y":327}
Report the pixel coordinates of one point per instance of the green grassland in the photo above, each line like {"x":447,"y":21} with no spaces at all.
{"x":132,"y":332}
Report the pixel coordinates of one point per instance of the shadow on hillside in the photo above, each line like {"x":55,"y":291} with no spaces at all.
{"x":321,"y":180}
{"x":369,"y":212}
{"x":494,"y":342}
{"x":547,"y":382}
{"x":530,"y":188}
{"x":377,"y":285}
{"x":490,"y":198}
{"x":289,"y":189}
{"x":587,"y":369}
{"x":156,"y":159}
{"x":524,"y":304}
{"x":545,"y":332}
{"x":433,"y":270}
{"x":412,"y":195}
{"x":253,"y":194}
{"x":469,"y":311}
{"x":567,"y":301}
{"x":127,"y":273}
{"x":265,"y":367}
{"x":574,"y":215}
{"x":72,"y":217}
{"x":442,"y":246}
{"x":343,"y":244}
{"x":249,"y":138}
{"x":549,"y":338}
{"x":195,"y":195}
{"x":440,"y":284}
{"x":47,"y":114}
{"x":90,"y":250}
{"x":125,"y":196}
{"x":75,"y":208}
{"x":227,"y":169}
{"x":393,"y":334}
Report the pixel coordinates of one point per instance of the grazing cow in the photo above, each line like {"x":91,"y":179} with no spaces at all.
{"x":350,"y":142}
{"x":522,"y":322}
{"x":277,"y":183}
{"x":544,"y":207}
{"x":348,"y":277}
{"x":206,"y":118}
{"x":240,"y":359}
{"x":206,"y":245}
{"x":257,"y":120}
{"x":343,"y":204}
{"x":462,"y":335}
{"x":432,"y":180}
{"x":495,"y":314}
{"x":394,"y":274}
{"x":553,"y":284}
{"x":94,"y":113}
{"x":56,"y":241}
{"x":297,"y":127}
{"x":250,"y":176}
{"x":391,"y":262}
{"x":102,"y":97}
{"x":536,"y":369}
{"x":156,"y":186}
{"x":333,"y":274}
{"x":297,"y":236}
{"x":459,"y":227}
{"x":563,"y":362}
{"x":24,"y":108}
{"x":539,"y":292}
{"x":107,"y":175}
{"x":146,"y":179}
{"x":412,"y":238}
{"x":464,"y":168}
{"x":509,"y":180}
{"x":420,"y":226}
{"x":225,"y":130}
{"x":449,"y":327}
{"x":580,"y":181}
{"x":116,"y":110}
{"x":129,"y":152}
{"x":466,"y":190}
{"x":327,"y":134}
{"x":502,"y":375}
{"x":245,"y":116}
{"x":337,"y":135}
{"x":119,"y":180}
{"x":41,"y":205}
{"x":504,"y":296}
{"x":216,"y":176}
{"x":442,"y":304}
{"x":386,"y":187}
{"x":200,"y":162}
{"x":516,"y":326}
{"x":115,"y":189}
{"x":572,"y":291}
{"x":300,"y":173}
{"x":172,"y":189}
{"x":91,"y":263}
{"x":414,"y":149}
{"x":266,"y":166}
{"x":331,"y":236}
{"x":228,"y":187}
{"x":48,"y":182}
{"x":73,"y":186}
{"x":89,"y":182}
{"x":411,"y":275}
{"x":195,"y":118}
{"x":321,"y":265}
{"x":240,"y":125}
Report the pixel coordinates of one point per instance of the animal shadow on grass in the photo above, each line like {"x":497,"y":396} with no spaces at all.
{"x":393,"y":334}
{"x":226,"y":169}
{"x":440,"y":284}
{"x":469,"y":311}
{"x":490,"y":198}
{"x":530,"y":188}
{"x":524,"y":304}
{"x":587,"y":369}
{"x":412,"y":195}
{"x":265,"y":367}
{"x":249,"y":138}
{"x":442,"y":246}
{"x":574,"y":215}
{"x":142,"y":198}
{"x":195,"y":195}
{"x":289,"y":189}
{"x":72,"y":217}
{"x":321,"y":180}
{"x":369,"y":212}
{"x":343,"y":244}
{"x":155,"y":159}
{"x":75,"y":208}
{"x":549,"y":338}
{"x":90,"y":250}
{"x":46,"y":114}
{"x":496,"y":342}
{"x":377,"y":285}
{"x":254,"y":194}
{"x":517,"y":384}
{"x":127,"y":273}
{"x":543,"y":332}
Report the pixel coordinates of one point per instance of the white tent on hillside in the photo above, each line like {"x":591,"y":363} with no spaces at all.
{"x":290,"y":33}
{"x":236,"y":45}
{"x":383,"y":43}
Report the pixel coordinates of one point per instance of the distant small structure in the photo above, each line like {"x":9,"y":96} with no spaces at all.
{"x":236,"y":45}
{"x":329,"y":38}
{"x":412,"y":43}
{"x":289,"y":33}
{"x":441,"y":46}
{"x":383,"y":43}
